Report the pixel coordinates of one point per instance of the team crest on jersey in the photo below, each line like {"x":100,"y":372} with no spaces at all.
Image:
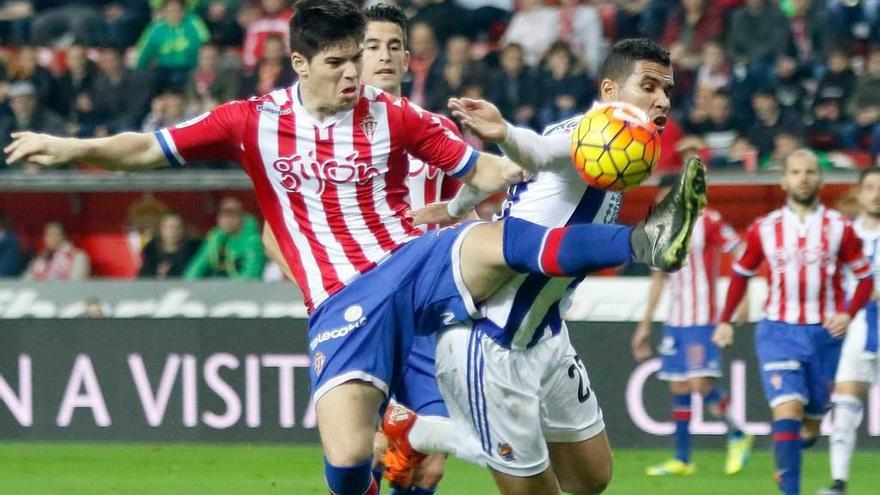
{"x":505,"y":451}
{"x":318,"y":362}
{"x":776,"y":381}
{"x":368,"y":125}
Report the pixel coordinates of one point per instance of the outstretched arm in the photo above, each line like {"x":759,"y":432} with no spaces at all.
{"x":641,"y":348}
{"x":129,"y":151}
{"x":527,"y":148}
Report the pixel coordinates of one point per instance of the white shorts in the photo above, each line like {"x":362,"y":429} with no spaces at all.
{"x":856,"y":363}
{"x":514,"y":402}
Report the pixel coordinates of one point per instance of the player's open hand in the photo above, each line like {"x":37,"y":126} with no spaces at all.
{"x":42,"y":149}
{"x":641,"y":347}
{"x":723,"y":335}
{"x":480,"y":118}
{"x":432,"y":214}
{"x":837,"y":324}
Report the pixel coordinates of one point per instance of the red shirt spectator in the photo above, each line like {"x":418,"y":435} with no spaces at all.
{"x":275,"y":21}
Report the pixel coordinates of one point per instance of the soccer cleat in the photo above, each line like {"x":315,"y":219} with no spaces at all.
{"x":836,"y":488}
{"x":672,"y":467}
{"x":400,"y":459}
{"x":738,"y":451}
{"x":662,"y":240}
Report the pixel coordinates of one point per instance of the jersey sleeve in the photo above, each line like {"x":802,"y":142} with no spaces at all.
{"x":748,"y":264}
{"x":215,"y":135}
{"x":428,"y":139}
{"x":852,"y":255}
{"x":720,"y":233}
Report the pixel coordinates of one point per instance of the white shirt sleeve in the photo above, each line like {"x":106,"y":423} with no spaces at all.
{"x":535,"y":152}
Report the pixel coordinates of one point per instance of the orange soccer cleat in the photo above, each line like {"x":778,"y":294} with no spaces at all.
{"x":400,"y":459}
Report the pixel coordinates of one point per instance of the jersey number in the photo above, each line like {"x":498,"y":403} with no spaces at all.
{"x":578,"y":369}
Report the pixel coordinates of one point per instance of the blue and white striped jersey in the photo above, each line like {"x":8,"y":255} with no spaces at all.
{"x":870,"y":243}
{"x":530,"y":307}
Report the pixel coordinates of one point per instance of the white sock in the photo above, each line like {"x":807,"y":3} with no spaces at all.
{"x":436,"y":435}
{"x":845,"y":419}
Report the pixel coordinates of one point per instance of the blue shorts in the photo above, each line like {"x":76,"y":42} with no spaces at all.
{"x":797,"y":362}
{"x":365,"y":331}
{"x":418,"y":388}
{"x":688,"y":352}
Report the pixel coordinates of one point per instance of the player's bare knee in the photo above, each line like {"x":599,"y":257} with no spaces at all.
{"x":679,"y":387}
{"x":430,"y":471}
{"x":792,"y":409}
{"x":701,"y":385}
{"x":588,"y":481}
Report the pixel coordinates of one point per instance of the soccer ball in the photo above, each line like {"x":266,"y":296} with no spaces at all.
{"x":615,"y":147}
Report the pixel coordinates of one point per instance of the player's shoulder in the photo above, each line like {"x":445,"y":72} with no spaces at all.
{"x":565,"y":127}
{"x":837,"y":216}
{"x":768,"y":219}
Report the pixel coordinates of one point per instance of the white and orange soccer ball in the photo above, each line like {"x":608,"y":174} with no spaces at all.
{"x":615,"y":146}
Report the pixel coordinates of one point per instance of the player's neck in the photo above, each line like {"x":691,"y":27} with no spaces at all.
{"x":870,"y":222}
{"x":802,"y":210}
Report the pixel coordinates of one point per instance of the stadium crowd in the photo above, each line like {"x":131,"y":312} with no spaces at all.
{"x":755,"y":79}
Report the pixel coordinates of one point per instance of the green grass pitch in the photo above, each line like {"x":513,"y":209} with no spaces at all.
{"x":167,"y":469}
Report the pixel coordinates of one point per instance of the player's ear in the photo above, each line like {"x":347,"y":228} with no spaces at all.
{"x":406,"y":58}
{"x":300,"y":64}
{"x":608,"y":90}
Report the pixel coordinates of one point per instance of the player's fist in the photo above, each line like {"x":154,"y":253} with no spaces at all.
{"x":723,"y":335}
{"x":480,"y":118}
{"x":42,"y":149}
{"x":432,"y":214}
{"x":641,"y":348}
{"x":837,"y":324}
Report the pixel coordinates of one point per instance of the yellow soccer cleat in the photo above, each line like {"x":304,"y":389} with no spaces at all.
{"x":738,"y":451}
{"x":672,"y":467}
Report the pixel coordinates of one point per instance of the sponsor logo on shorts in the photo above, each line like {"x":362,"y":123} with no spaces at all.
{"x":505,"y":451}
{"x":318,"y":362}
{"x":353,"y":314}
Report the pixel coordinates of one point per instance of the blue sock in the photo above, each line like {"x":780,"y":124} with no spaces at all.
{"x":564,"y":251}
{"x":377,"y":477}
{"x":349,"y":480}
{"x":718,"y":397}
{"x":681,"y":413}
{"x":787,"y":449}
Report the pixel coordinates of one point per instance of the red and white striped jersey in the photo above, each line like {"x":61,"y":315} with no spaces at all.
{"x":427,"y":183}
{"x":333,"y":191}
{"x":692,"y":289}
{"x":259,"y":30}
{"x":806,"y":260}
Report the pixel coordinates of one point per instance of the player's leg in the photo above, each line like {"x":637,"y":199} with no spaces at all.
{"x":571,"y":420}
{"x":787,"y":420}
{"x":491,"y":252}
{"x":673,"y":369}
{"x":820,"y":371}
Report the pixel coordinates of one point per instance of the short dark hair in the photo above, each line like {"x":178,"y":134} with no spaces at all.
{"x":866,"y":172}
{"x":383,"y":12}
{"x":320,"y":24}
{"x":618,"y":65}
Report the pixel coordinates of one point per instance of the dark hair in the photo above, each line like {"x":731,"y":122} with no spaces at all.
{"x":618,"y":65}
{"x":866,"y":172}
{"x":319,"y":24}
{"x":383,"y":12}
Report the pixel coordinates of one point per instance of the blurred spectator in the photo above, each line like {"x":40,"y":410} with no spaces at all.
{"x":124,"y":21}
{"x":534,"y":27}
{"x":72,"y":88}
{"x":168,"y":254}
{"x":61,"y":22}
{"x":275,"y":21}
{"x":459,"y":70}
{"x":715,"y":125}
{"x":11,"y":251}
{"x":93,"y":308}
{"x":170,"y":45}
{"x":486,"y":15}
{"x":827,"y":124}
{"x":770,"y":120}
{"x":581,"y":27}
{"x":785,"y":143}
{"x":633,"y":18}
{"x":839,"y":81}
{"x":565,"y":87}
{"x":688,"y":28}
{"x":15,"y":21}
{"x":445,"y":17}
{"x":168,"y":108}
{"x":219,"y":16}
{"x":859,"y":20}
{"x":713,"y":71}
{"x":812,"y":29}
{"x":233,"y":249}
{"x":59,"y":259}
{"x":273,"y":71}
{"x":24,"y":67}
{"x":425,"y":68}
{"x":757,"y":34}
{"x":864,"y":109}
{"x":210,"y":84}
{"x":790,"y":81}
{"x":28,"y":114}
{"x":121,"y":97}
{"x":512,"y":87}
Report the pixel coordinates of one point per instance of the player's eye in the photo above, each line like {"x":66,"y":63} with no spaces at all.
{"x":372,"y":46}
